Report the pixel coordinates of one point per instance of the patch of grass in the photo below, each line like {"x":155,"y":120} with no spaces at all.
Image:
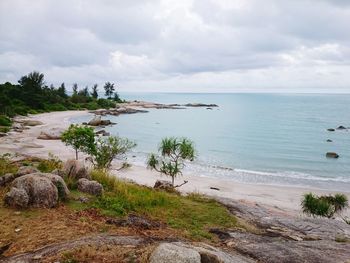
{"x":193,"y":214}
{"x":50,"y":164}
{"x":6,"y":166}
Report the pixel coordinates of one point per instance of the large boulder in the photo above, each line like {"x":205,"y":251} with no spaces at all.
{"x":23,"y":170}
{"x":39,"y":191}
{"x":90,"y":187}
{"x":52,"y":134}
{"x":36,"y":190}
{"x":6,"y":179}
{"x":96,"y":121}
{"x":75,"y":169}
{"x":174,"y":253}
{"x":163,"y":185}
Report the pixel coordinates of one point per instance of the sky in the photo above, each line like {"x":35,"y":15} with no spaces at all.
{"x":180,"y":45}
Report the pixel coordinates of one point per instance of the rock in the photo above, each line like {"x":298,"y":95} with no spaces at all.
{"x":58,"y":172}
{"x":60,"y":184}
{"x":105,"y":122}
{"x":102,"y":132}
{"x":52,"y":134}
{"x":75,"y":169}
{"x":32,"y":123}
{"x":3,"y":134}
{"x":164,"y":185}
{"x":96,"y":121}
{"x":332,"y":155}
{"x":171,"y":252}
{"x":341,"y":128}
{"x":209,"y":108}
{"x":17,"y":198}
{"x":6,"y":179}
{"x":23,"y":170}
{"x":200,"y":105}
{"x":329,"y":140}
{"x":90,"y":187}
{"x":331,"y":129}
{"x":134,"y":221}
{"x":215,"y":188}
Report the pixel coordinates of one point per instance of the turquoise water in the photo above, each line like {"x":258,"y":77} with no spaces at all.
{"x":258,"y":138}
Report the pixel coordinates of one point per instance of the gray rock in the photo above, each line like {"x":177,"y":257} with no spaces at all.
{"x":3,"y":134}
{"x":332,"y":155}
{"x":40,"y":190}
{"x":52,"y":134}
{"x":174,"y":253}
{"x":58,"y":172}
{"x":331,"y":129}
{"x":329,"y":140}
{"x":17,"y":198}
{"x":164,"y":185}
{"x":341,"y":128}
{"x":90,"y":187}
{"x":75,"y":169}
{"x":58,"y":181}
{"x":32,"y":123}
{"x":6,"y":179}
{"x":23,"y":170}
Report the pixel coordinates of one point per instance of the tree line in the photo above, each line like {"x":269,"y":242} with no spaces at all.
{"x":32,"y":95}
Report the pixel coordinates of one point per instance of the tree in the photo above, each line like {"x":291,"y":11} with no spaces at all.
{"x":116,"y":97}
{"x":109,"y":89}
{"x":108,"y":149}
{"x":173,"y":153}
{"x":75,"y":89}
{"x":81,"y":138}
{"x":84,"y":92}
{"x":32,"y":89}
{"x":61,"y":91}
{"x":324,"y":205}
{"x":94,"y":92}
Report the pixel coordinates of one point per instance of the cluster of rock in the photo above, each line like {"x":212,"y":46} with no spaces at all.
{"x":333,"y":154}
{"x":97,"y":121}
{"x":31,"y":188}
{"x":51,"y":134}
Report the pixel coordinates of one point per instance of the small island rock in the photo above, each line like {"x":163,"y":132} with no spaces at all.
{"x":332,"y":155}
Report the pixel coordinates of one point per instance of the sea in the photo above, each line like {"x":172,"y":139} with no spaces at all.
{"x":272,"y":139}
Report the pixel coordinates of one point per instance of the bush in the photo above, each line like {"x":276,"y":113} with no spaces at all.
{"x":5,"y":121}
{"x":6,"y":166}
{"x":48,"y":165}
{"x":55,"y":107}
{"x":104,"y":103}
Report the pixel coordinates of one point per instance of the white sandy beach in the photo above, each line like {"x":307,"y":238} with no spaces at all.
{"x":282,"y":197}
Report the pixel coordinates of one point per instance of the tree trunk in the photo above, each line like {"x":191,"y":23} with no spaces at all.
{"x":76,"y":154}
{"x":173,"y":179}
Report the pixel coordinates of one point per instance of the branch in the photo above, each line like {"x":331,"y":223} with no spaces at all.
{"x":185,"y":182}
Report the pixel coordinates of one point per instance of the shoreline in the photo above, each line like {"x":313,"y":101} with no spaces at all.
{"x":286,"y":198}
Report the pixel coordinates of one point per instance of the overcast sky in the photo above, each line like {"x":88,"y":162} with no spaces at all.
{"x":180,"y":45}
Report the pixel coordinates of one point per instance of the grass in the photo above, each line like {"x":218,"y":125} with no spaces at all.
{"x":50,"y":164}
{"x":193,"y":214}
{"x":6,"y":166}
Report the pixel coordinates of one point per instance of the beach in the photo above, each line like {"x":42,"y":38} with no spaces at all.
{"x":284,"y":198}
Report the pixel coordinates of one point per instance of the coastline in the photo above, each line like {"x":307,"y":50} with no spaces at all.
{"x":285,"y":198}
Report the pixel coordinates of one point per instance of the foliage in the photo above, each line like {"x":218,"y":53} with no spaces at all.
{"x":81,"y":138}
{"x":173,"y":151}
{"x":50,"y":164}
{"x":325,"y":205}
{"x":32,"y":95}
{"x":5,"y":121}
{"x":5,"y":165}
{"x":193,"y":214}
{"x":108,"y":149}
{"x":109,"y":89}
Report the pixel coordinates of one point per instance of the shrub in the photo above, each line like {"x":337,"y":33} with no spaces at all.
{"x":5,"y":121}
{"x":50,"y":164}
{"x":174,"y":152}
{"x":108,"y":149}
{"x":325,"y":205}
{"x":5,"y":165}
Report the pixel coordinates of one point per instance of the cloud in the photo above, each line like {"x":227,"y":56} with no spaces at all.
{"x":185,"y":45}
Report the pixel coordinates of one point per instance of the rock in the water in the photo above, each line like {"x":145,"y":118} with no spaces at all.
{"x":52,"y":134}
{"x":23,"y":170}
{"x":17,"y":198}
{"x":164,"y":185}
{"x":96,"y":121}
{"x":329,"y":140}
{"x":75,"y":169}
{"x":341,"y":128}
{"x":102,"y":132}
{"x":173,"y":253}
{"x":90,"y":187}
{"x":40,"y":190}
{"x":332,"y":155}
{"x":331,"y":129}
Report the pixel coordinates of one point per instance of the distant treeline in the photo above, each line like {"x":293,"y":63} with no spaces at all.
{"x":32,"y":95}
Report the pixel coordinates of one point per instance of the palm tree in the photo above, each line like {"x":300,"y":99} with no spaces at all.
{"x":94,"y":92}
{"x":109,"y":89}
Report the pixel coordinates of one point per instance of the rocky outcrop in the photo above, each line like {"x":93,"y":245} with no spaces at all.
{"x":52,"y":134}
{"x":332,"y":155}
{"x":284,"y":237}
{"x":6,"y":179}
{"x":90,"y":187}
{"x":97,"y":121}
{"x":102,"y":133}
{"x":163,"y":185}
{"x":75,"y":169}
{"x":200,"y":105}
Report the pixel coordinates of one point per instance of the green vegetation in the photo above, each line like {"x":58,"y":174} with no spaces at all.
{"x":325,"y":205}
{"x":5,"y":123}
{"x":6,"y":166}
{"x":174,"y":152}
{"x":193,"y":214}
{"x":81,"y":138}
{"x":50,"y":164}
{"x":32,"y":95}
{"x":107,"y":149}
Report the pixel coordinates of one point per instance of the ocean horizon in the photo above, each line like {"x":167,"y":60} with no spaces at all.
{"x":260,"y":138}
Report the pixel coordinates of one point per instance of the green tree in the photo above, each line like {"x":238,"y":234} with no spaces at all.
{"x":81,"y":138}
{"x":32,"y":89}
{"x":109,"y":89}
{"x":94,"y":92}
{"x":61,"y":91}
{"x":116,"y":97}
{"x":324,"y":205}
{"x":75,"y":89}
{"x":173,"y":153}
{"x":108,"y":149}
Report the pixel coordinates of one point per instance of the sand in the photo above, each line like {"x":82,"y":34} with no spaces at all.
{"x":285,"y":198}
